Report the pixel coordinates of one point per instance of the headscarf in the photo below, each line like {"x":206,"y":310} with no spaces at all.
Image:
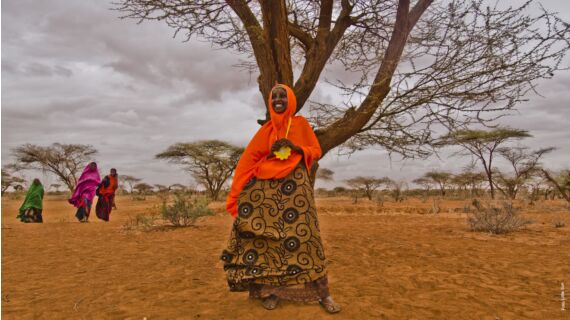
{"x":34,"y":197}
{"x":86,"y":186}
{"x":254,"y":162}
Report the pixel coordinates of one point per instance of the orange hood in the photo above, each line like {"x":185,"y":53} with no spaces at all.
{"x":254,"y":161}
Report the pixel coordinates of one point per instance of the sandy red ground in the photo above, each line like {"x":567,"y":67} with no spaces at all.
{"x":385,"y":263}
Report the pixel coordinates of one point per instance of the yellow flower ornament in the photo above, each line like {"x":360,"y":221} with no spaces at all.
{"x":284,"y":152}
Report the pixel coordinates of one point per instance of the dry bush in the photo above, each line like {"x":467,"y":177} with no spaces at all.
{"x":495,"y":220}
{"x":380,"y":200}
{"x":141,"y":221}
{"x":63,"y":196}
{"x":17,"y":195}
{"x":138,"y":197}
{"x":560,"y":223}
{"x":184,"y":211}
{"x":435,"y":209}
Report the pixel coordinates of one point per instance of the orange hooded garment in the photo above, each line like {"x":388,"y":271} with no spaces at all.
{"x":113,"y":185}
{"x":254,"y":162}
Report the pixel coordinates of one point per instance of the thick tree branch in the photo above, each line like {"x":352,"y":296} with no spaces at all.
{"x":258,"y":40}
{"x":325,"y":18}
{"x":340,"y":131}
{"x":407,"y":72}
{"x":417,"y":12}
{"x":301,"y":35}
{"x":319,"y":54}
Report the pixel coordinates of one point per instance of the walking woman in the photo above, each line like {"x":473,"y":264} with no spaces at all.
{"x":275,"y":250}
{"x":106,"y":194}
{"x":31,"y":209}
{"x":84,"y":193}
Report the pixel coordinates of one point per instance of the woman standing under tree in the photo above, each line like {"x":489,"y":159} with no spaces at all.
{"x":84,"y":193}
{"x":275,"y":249}
{"x":31,"y":209}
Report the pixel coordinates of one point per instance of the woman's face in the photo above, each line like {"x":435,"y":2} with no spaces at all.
{"x":279,"y":100}
{"x":93,"y":166}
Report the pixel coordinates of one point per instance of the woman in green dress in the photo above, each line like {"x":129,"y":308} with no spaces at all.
{"x":31,"y":209}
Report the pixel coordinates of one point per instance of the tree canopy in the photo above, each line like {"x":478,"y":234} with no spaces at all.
{"x":9,"y":180}
{"x":482,"y":144}
{"x":325,"y":174}
{"x":368,"y":184}
{"x":411,"y":66}
{"x":65,"y":161}
{"x":524,"y":163}
{"x":211,"y":162}
{"x":130,"y":181}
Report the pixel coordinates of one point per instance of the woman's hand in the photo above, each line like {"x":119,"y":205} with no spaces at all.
{"x":279,"y":144}
{"x":284,"y":143}
{"x":275,"y":147}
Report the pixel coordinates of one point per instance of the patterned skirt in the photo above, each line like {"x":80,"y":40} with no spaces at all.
{"x":275,"y":246}
{"x":104,"y":206}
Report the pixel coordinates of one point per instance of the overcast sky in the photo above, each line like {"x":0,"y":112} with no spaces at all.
{"x":72,"y":72}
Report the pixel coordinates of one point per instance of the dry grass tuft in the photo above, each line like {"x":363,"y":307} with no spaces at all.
{"x":495,"y":220}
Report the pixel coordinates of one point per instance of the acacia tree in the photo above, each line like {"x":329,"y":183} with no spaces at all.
{"x":440,"y":179}
{"x":417,"y":65}
{"x":458,"y":185}
{"x":367,"y":184}
{"x":9,"y":180}
{"x":143,"y":188}
{"x":561,"y":182}
{"x":210,"y":162}
{"x":177,"y":187}
{"x":161,"y":188}
{"x":524,"y":163}
{"x":65,"y":161}
{"x":483,"y":144}
{"x":425,"y":183}
{"x":397,"y":188}
{"x":325,"y":174}
{"x":469,"y":179}
{"x":130,"y":181}
{"x":537,"y":184}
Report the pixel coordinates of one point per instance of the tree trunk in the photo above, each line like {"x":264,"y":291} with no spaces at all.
{"x":214,"y":194}
{"x":69,"y":185}
{"x":556,"y":185}
{"x":276,"y":67}
{"x":490,"y":179}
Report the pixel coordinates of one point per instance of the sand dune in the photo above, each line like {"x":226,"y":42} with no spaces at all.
{"x":385,"y":263}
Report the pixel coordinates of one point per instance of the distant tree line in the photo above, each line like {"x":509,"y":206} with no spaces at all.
{"x":212,"y":163}
{"x":526,"y":170}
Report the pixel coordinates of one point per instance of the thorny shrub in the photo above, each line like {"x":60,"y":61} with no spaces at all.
{"x":495,"y":219}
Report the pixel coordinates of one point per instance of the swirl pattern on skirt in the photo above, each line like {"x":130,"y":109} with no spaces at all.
{"x":275,"y":239}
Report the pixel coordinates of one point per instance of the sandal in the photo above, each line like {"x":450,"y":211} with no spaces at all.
{"x":329,"y":305}
{"x":270,"y":302}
